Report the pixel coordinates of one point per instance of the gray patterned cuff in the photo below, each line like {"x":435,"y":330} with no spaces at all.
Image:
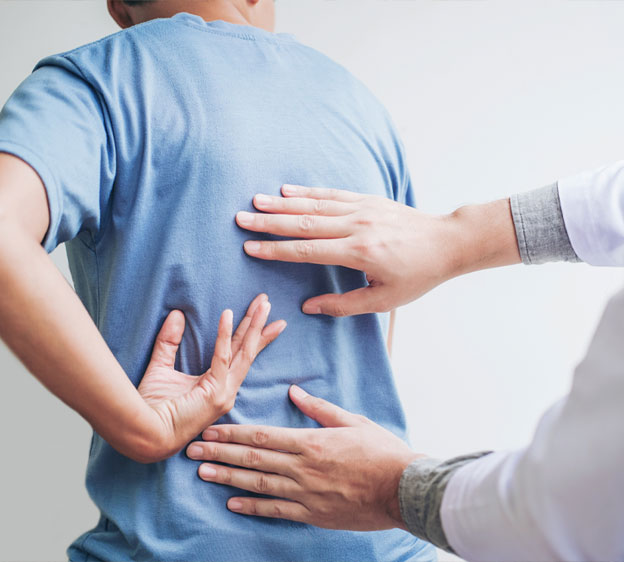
{"x":540,"y":228}
{"x":421,"y":490}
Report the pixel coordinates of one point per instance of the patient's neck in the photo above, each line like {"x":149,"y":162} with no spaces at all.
{"x":225,"y":10}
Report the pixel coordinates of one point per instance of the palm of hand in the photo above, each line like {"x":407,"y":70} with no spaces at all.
{"x":187,"y":404}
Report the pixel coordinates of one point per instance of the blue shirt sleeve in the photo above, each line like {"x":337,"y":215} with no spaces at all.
{"x":56,"y":123}
{"x":406,"y":189}
{"x":408,"y":197}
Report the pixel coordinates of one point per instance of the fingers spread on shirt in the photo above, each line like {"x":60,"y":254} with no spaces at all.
{"x":290,"y":190}
{"x":237,"y":340}
{"x":223,"y":346}
{"x":280,"y":509}
{"x":265,"y":460}
{"x":250,"y":480}
{"x":324,"y":252}
{"x":265,"y":437}
{"x":250,"y":345}
{"x":303,"y":206}
{"x":298,"y":226}
{"x":271,"y":333}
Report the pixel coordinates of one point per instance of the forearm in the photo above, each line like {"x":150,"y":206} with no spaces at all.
{"x":483,"y":236}
{"x":528,"y":227}
{"x":44,"y":323}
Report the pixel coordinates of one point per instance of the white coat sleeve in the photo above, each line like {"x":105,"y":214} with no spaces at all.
{"x":562,"y":497}
{"x":592,"y":204}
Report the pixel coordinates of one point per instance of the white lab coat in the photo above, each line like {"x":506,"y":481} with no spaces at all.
{"x":562,"y":497}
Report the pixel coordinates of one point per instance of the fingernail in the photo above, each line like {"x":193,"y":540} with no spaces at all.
{"x":252,"y":247}
{"x":244,"y":218}
{"x":298,"y":392}
{"x":206,"y":471}
{"x":262,"y":200}
{"x":282,"y":326}
{"x":210,"y":435}
{"x":288,"y":189}
{"x":311,"y":309}
{"x":194,"y":451}
{"x":235,"y":505}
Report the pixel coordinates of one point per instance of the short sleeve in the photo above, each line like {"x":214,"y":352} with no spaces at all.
{"x":408,"y":197}
{"x":55,"y":122}
{"x":406,"y":190}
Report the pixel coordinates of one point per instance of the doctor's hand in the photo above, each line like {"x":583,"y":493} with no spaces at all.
{"x":343,"y":476}
{"x":404,"y":252}
{"x":186,"y":404}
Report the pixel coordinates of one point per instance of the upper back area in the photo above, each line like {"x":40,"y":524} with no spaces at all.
{"x":150,"y":141}
{"x":239,"y":109}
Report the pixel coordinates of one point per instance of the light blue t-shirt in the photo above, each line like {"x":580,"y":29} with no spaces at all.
{"x":148,"y":143}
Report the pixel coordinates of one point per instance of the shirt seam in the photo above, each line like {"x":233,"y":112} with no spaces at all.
{"x":244,"y":36}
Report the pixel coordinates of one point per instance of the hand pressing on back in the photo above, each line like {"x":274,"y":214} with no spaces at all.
{"x":185,"y":404}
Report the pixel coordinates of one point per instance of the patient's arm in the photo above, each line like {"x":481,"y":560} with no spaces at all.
{"x":45,"y":324}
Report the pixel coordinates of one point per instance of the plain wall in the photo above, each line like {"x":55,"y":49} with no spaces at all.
{"x":491,"y":98}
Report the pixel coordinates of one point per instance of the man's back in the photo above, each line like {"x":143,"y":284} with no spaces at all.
{"x":178,"y":123}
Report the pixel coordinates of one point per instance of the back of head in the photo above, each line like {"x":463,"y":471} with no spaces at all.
{"x":258,"y":13}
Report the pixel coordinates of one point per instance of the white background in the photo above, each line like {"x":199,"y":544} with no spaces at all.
{"x":491,"y":98}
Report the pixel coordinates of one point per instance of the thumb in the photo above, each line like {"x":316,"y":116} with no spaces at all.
{"x":168,"y":340}
{"x":360,"y":301}
{"x":322,"y":411}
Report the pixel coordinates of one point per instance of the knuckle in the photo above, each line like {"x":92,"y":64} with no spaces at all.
{"x":224,"y":358}
{"x":304,"y":248}
{"x":225,"y":476}
{"x":339,"y":309}
{"x":333,"y":193}
{"x":277,"y":511}
{"x":359,"y":246}
{"x":319,"y":206}
{"x":324,"y":510}
{"x":213,"y":453}
{"x":248,"y":355}
{"x":316,"y":405}
{"x":306,"y":223}
{"x":364,"y":219}
{"x":262,"y":484}
{"x":260,"y":438}
{"x":252,"y":458}
{"x":253,"y":508}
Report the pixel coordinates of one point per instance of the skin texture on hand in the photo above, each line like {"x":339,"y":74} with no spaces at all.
{"x":404,"y":252}
{"x":342,"y":476}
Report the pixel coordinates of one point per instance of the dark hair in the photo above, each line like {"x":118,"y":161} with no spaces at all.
{"x":136,"y":2}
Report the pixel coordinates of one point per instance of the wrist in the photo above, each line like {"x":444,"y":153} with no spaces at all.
{"x":394,"y":504}
{"x":146,"y":437}
{"x":481,"y":237}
